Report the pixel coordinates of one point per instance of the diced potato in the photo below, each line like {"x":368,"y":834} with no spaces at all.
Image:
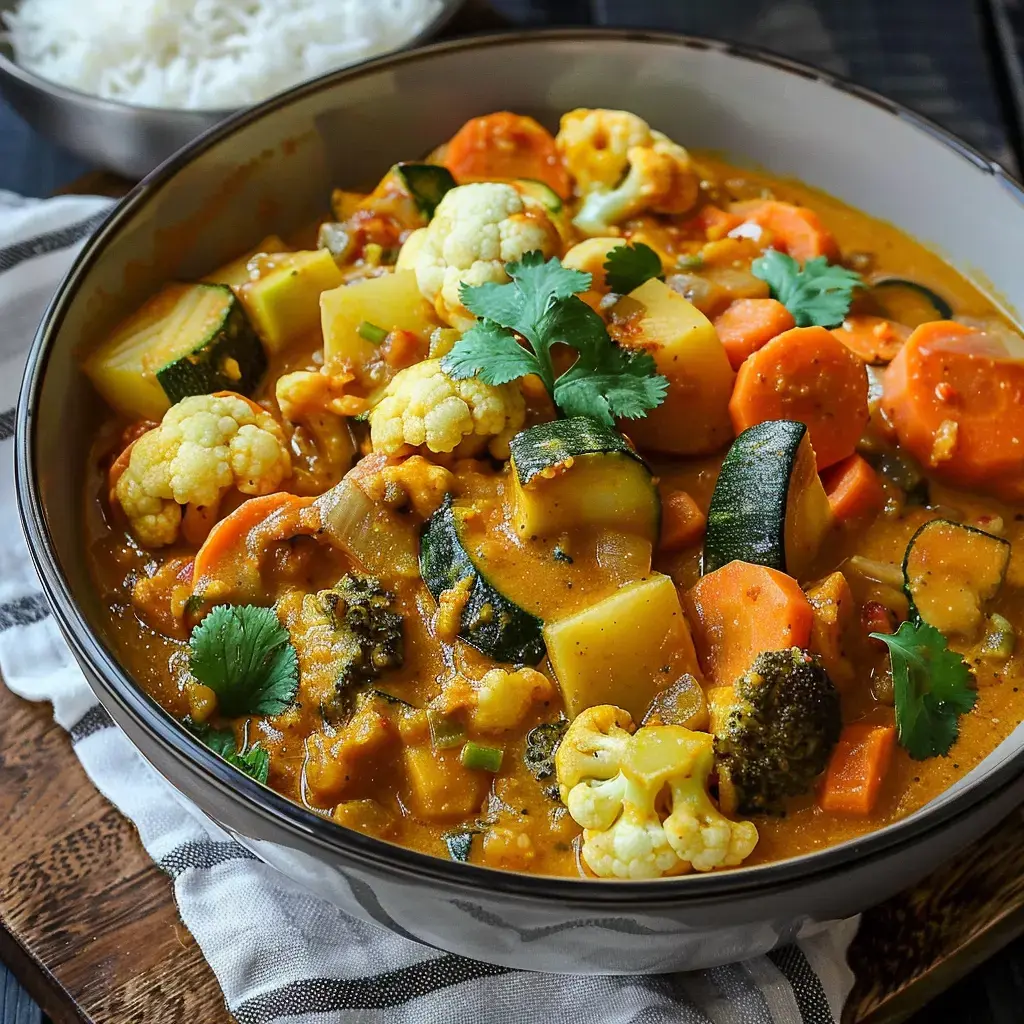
{"x":392,"y":301}
{"x":624,"y":649}
{"x":284,"y":304}
{"x":441,"y":788}
{"x":236,"y":273}
{"x":694,"y":418}
{"x":834,"y":615}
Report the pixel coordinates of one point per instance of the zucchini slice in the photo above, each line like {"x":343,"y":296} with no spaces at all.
{"x":284,"y":302}
{"x":950,"y":571}
{"x":189,"y":339}
{"x":768,"y":507}
{"x":908,"y":302}
{"x":489,"y":621}
{"x":544,"y":194}
{"x":577,"y":472}
{"x":426,"y":183}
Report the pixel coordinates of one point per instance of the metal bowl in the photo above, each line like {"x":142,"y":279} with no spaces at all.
{"x":121,"y":137}
{"x":270,"y":169}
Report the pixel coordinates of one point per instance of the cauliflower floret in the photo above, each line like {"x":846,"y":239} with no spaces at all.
{"x":623,"y":168}
{"x":475,"y":231}
{"x":505,"y":697}
{"x":614,"y":782}
{"x":423,"y":406}
{"x":204,"y":446}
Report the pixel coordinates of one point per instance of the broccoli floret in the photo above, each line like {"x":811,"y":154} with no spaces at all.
{"x":778,"y":734}
{"x":359,"y":606}
{"x":541,"y":745}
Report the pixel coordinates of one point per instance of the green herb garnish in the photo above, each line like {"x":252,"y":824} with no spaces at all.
{"x":819,"y":294}
{"x":932,"y":688}
{"x":540,"y":305}
{"x":629,"y":266}
{"x":254,"y":761}
{"x":245,"y":656}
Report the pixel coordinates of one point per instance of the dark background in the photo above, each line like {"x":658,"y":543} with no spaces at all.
{"x":955,"y":61}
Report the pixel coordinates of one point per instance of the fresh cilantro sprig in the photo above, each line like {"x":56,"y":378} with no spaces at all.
{"x":540,"y":305}
{"x":818,"y":294}
{"x":254,"y":761}
{"x":932,"y":689}
{"x":245,"y":656}
{"x":629,"y":266}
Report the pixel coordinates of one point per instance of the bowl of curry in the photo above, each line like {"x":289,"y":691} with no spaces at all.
{"x":557,"y":500}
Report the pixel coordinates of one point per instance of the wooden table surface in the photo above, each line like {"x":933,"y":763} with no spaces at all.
{"x":88,"y":923}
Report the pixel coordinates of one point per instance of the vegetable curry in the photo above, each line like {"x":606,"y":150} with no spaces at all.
{"x":574,"y":504}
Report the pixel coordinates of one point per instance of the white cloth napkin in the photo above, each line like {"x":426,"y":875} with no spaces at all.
{"x":309,"y":963}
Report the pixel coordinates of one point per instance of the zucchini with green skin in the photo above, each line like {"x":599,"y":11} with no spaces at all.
{"x":950,"y":571}
{"x":577,"y":472}
{"x":426,"y":184}
{"x":489,"y":621}
{"x":908,"y":302}
{"x":189,"y":339}
{"x":538,"y":190}
{"x":768,"y":507}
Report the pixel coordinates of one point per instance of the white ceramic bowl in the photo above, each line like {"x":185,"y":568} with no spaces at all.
{"x":283,"y":158}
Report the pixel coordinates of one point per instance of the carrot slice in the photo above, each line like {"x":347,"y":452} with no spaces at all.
{"x":796,"y":230}
{"x":805,"y":374}
{"x":228,"y":563}
{"x":739,"y":611}
{"x":854,"y":489}
{"x":857,"y":769}
{"x":876,"y":340}
{"x":955,"y":396}
{"x":682,"y":522}
{"x":714,"y":222}
{"x":504,"y":146}
{"x":749,"y":324}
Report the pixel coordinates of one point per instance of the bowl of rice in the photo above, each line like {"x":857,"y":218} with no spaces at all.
{"x":125,"y":85}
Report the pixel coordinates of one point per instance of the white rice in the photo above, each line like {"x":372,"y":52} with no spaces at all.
{"x":204,"y":54}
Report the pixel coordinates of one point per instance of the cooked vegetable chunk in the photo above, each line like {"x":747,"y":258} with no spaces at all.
{"x":624,"y":648}
{"x":806,"y":375}
{"x":955,"y":396}
{"x":694,"y":418}
{"x":739,"y":611}
{"x":486,"y":618}
{"x":204,"y":446}
{"x":189,"y":339}
{"x":238,"y":272}
{"x":777,"y":733}
{"x":284,"y":301}
{"x":834,"y":619}
{"x":950,"y":572}
{"x":390,"y":302}
{"x":854,"y":490}
{"x":858,"y":768}
{"x":769,"y":507}
{"x":611,"y":779}
{"x":575,"y":473}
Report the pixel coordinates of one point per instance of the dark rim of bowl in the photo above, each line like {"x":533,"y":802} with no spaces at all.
{"x":354,"y":847}
{"x":211,"y":115}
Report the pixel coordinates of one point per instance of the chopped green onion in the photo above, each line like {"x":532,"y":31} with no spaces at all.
{"x":690,"y":261}
{"x":445,"y":731}
{"x":485,"y":759}
{"x":371,"y":332}
{"x":1000,"y":638}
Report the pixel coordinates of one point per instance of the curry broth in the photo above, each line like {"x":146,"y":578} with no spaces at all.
{"x":519,"y":805}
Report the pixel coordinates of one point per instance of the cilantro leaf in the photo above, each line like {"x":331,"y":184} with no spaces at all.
{"x":540,"y":306}
{"x":819,"y":294}
{"x":490,"y":352}
{"x":254,"y":762}
{"x":629,"y":266}
{"x":932,"y":689}
{"x":244,"y":655}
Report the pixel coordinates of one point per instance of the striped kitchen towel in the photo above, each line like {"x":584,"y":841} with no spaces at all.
{"x":310,"y":963}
